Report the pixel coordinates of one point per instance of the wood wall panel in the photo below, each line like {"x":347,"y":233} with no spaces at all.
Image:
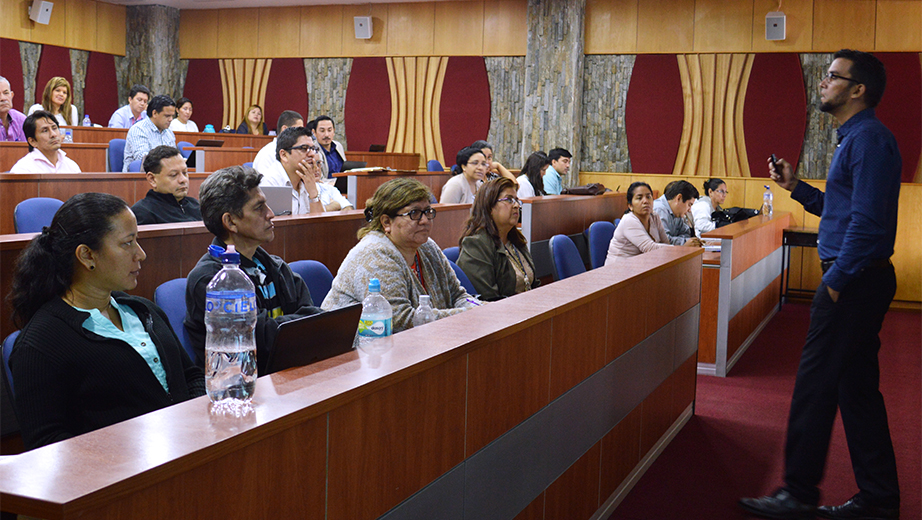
{"x":377,"y":45}
{"x":841,"y":24}
{"x":620,"y":452}
{"x":110,"y":41}
{"x":573,"y":361}
{"x":655,"y":413}
{"x":907,"y":260}
{"x":279,"y":32}
{"x":665,"y":25}
{"x":410,"y":29}
{"x":899,"y":25}
{"x":238,"y":34}
{"x":534,"y":510}
{"x":80,"y":29}
{"x":198,"y":34}
{"x":575,"y":494}
{"x":53,"y":33}
{"x":611,"y":27}
{"x":798,"y":26}
{"x":14,"y":20}
{"x":722,"y":26}
{"x":505,"y":32}
{"x":626,"y":312}
{"x":321,"y":31}
{"x":458,"y":28}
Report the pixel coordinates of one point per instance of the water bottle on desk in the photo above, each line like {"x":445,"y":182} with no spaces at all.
{"x":767,"y":202}
{"x":424,"y":313}
{"x":209,"y":129}
{"x":86,"y":120}
{"x":68,"y":135}
{"x":376,"y":316}
{"x":230,"y":341}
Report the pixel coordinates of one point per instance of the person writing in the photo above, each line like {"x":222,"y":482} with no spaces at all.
{"x":673,"y":209}
{"x":715,"y":193}
{"x":90,"y":355}
{"x":494,"y":254}
{"x":57,"y":100}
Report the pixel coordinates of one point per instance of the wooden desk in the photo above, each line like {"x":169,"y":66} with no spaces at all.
{"x":544,"y":217}
{"x":393,"y":160}
{"x":362,"y":185}
{"x":212,"y":159}
{"x":487,"y":414}
{"x":173,"y":249}
{"x":90,"y":157}
{"x":739,"y":289}
{"x":795,"y":237}
{"x":84,"y":134}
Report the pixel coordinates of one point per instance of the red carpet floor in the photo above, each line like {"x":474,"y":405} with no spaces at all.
{"x":733,"y":446}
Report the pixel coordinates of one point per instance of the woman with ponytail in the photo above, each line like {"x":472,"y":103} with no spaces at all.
{"x":90,"y":355}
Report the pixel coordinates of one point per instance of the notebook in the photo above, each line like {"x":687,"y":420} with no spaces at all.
{"x":278,"y":198}
{"x":314,"y":338}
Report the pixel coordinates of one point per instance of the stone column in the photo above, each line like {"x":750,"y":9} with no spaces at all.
{"x":29,"y":54}
{"x":152,"y":51}
{"x":506,"y":95}
{"x":820,"y":135}
{"x":327,"y":79}
{"x":554,"y":79}
{"x":78,"y":63}
{"x":605,"y":85}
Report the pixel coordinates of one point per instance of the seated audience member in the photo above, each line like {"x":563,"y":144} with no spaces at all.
{"x":57,"y":100}
{"x":531,"y":182}
{"x":641,"y":229}
{"x":559,"y":168}
{"x":469,"y":171}
{"x":253,"y":122}
{"x":265,"y":158}
{"x":134,"y":111}
{"x":45,"y":153}
{"x":494,"y":169}
{"x":154,"y":131}
{"x":334,"y":153}
{"x":182,"y":122}
{"x":10,"y":119}
{"x":90,"y":355}
{"x":295,"y":168}
{"x":235,"y":211}
{"x":395,"y":248}
{"x":494,"y":254}
{"x":167,"y":200}
{"x":715,"y":193}
{"x":673,"y":209}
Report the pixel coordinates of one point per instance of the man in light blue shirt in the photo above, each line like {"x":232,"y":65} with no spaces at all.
{"x":560,"y":166}
{"x":152,"y":132}
{"x":133,"y":112}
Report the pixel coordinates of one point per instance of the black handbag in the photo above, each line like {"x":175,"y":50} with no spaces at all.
{"x":594,"y":188}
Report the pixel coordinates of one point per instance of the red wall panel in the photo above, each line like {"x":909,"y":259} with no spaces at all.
{"x":464,"y":114}
{"x":203,"y":87}
{"x":286,"y":90}
{"x":654,"y":113}
{"x":100,"y":96}
{"x":11,"y":69}
{"x":901,"y":107}
{"x":368,"y":104}
{"x":55,"y":61}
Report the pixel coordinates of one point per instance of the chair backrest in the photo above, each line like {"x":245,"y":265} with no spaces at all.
{"x":452,"y":253}
{"x":31,"y":215}
{"x":318,"y":278}
{"x":434,"y":166}
{"x":182,"y":145}
{"x":135,"y":166}
{"x":116,"y":155}
{"x":617,"y":221}
{"x":465,"y":281}
{"x":171,"y":297}
{"x":565,"y":257}
{"x":248,"y":164}
{"x":7,"y":348}
{"x":600,"y":234}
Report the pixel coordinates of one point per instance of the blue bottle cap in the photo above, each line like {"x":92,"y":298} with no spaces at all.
{"x":374,"y":285}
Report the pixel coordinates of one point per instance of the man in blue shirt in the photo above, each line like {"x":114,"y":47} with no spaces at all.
{"x":134,"y":111}
{"x":334,"y":152}
{"x":559,"y":168}
{"x":839,"y":366}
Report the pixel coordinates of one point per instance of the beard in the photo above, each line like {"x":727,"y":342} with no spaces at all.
{"x":825,"y":106}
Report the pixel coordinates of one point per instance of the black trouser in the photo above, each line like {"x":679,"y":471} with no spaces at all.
{"x":839,"y":368}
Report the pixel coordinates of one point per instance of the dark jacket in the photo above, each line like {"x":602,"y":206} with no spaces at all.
{"x":245,"y":129}
{"x":71,"y":381}
{"x":162,"y":208}
{"x":488,"y":267}
{"x":294,"y":297}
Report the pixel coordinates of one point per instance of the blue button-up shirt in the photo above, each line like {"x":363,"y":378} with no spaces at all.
{"x":552,"y":184}
{"x":333,"y":159}
{"x":144,"y":137}
{"x":124,"y":118}
{"x":859,"y":207}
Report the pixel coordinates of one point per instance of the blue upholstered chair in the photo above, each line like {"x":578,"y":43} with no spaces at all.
{"x":318,"y":278}
{"x":434,"y":166}
{"x":135,"y":166}
{"x":452,"y":253}
{"x":248,"y":164}
{"x":565,"y":257}
{"x":171,"y":297}
{"x":7,"y":348}
{"x":465,"y":281}
{"x":183,"y":145}
{"x":600,"y":234}
{"x":116,"y":155}
{"x":31,"y":215}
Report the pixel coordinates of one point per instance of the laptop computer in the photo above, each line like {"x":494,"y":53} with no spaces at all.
{"x":314,"y":338}
{"x":278,"y":198}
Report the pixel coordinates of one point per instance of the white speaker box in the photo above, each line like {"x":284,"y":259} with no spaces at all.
{"x":363,"y":28}
{"x":775,"y":26}
{"x":40,"y":12}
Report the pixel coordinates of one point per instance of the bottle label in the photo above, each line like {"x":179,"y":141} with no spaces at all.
{"x":230,"y":302}
{"x":375,"y":328}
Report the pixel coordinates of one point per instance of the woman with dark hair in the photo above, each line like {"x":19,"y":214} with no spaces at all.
{"x":531,"y":182}
{"x":494,"y":168}
{"x":253,"y":122}
{"x":90,"y":355}
{"x":641,"y":229}
{"x":469,"y":171}
{"x":395,"y":248}
{"x":182,"y":122}
{"x":494,"y":254}
{"x":715,"y":193}
{"x":57,"y":99}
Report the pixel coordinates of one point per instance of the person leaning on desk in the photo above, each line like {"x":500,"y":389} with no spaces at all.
{"x":90,"y":355}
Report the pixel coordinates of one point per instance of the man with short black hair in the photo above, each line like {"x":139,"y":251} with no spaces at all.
{"x":152,"y":132}
{"x":333,"y":151}
{"x":673,"y":209}
{"x":45,"y":154}
{"x":134,"y":111}
{"x":560,"y":166}
{"x":234,"y":209}
{"x":265,"y":160}
{"x":167,"y":201}
{"x":11,"y":120}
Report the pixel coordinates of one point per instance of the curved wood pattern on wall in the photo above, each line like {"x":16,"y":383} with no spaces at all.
{"x":416,"y":93}
{"x":712,"y":145}
{"x":243,"y":84}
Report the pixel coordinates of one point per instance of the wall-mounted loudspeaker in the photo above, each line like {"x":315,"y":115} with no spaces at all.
{"x":363,"y":28}
{"x":40,"y":12}
{"x":774,"y":26}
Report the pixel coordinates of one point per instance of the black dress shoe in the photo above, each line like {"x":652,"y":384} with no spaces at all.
{"x":780,"y":505}
{"x":856,"y":509}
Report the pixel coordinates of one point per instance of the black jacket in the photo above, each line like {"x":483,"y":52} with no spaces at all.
{"x":162,"y":208}
{"x":489,"y":268}
{"x":71,"y":381}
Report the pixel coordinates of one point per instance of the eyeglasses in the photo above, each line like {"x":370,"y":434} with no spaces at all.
{"x":722,"y":192}
{"x":511,"y":200}
{"x":417,"y":214}
{"x":304,"y":148}
{"x":830,"y":76}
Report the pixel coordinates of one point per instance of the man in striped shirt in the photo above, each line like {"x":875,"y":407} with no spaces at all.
{"x":152,"y":132}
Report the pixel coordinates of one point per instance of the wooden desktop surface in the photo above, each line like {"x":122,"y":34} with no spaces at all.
{"x":84,"y":134}
{"x":367,"y":182}
{"x":89,"y":157}
{"x":212,"y":159}
{"x":568,"y":214}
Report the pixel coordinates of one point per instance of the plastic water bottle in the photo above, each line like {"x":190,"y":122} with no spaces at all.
{"x":424,"y":313}
{"x":86,"y":120}
{"x":209,"y":129}
{"x":376,"y":316}
{"x":230,"y":341}
{"x":767,"y":202}
{"x":68,"y":135}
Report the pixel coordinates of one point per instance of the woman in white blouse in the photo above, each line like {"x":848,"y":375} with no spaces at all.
{"x":715,"y":193}
{"x":182,"y":122}
{"x":56,"y":98}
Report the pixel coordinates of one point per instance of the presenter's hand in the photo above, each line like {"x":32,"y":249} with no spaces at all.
{"x":785,"y":178}
{"x":833,"y":294}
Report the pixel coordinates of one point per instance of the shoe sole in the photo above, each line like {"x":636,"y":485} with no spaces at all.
{"x":760,"y":514}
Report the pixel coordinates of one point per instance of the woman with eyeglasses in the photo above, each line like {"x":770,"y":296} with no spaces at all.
{"x":395,"y":248}
{"x":494,"y":254}
{"x":715,"y":193}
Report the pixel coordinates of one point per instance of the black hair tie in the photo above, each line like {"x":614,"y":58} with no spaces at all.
{"x":369,"y":214}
